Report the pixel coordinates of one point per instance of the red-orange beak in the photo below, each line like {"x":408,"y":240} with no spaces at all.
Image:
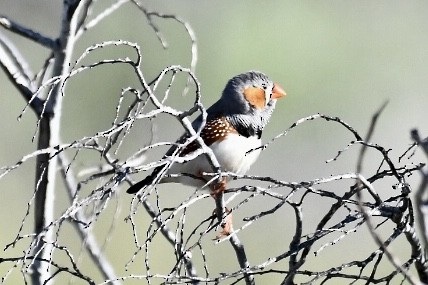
{"x":277,"y":92}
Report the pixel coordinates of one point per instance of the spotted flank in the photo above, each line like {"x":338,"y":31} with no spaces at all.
{"x":214,"y":130}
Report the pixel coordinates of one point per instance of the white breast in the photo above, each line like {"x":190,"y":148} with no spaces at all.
{"x":232,"y":154}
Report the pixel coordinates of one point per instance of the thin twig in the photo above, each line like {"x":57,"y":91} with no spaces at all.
{"x":392,"y":258}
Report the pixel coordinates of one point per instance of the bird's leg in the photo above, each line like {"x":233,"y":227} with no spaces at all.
{"x":217,"y":191}
{"x":217,"y":188}
{"x":226,"y":224}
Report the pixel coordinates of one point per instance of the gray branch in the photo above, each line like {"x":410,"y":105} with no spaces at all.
{"x":27,"y":33}
{"x":16,"y":68}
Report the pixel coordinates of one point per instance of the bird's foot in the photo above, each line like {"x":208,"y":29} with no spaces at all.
{"x":226,"y":225}
{"x":218,"y":188}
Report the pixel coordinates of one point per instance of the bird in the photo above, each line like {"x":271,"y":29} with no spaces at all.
{"x":233,"y":130}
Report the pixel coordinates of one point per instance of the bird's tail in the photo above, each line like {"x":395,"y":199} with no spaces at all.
{"x":141,"y":184}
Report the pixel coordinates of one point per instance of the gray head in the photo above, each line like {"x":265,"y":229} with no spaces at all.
{"x":248,"y":93}
{"x":247,"y":102}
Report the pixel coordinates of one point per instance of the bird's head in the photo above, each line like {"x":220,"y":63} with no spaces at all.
{"x":250,"y":92}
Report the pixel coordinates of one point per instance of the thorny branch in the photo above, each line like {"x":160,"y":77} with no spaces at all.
{"x":93,"y":191}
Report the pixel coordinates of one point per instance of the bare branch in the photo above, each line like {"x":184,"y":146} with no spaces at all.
{"x":88,"y":238}
{"x":27,"y":33}
{"x":18,"y":72}
{"x":420,"y":196}
{"x":361,"y":181}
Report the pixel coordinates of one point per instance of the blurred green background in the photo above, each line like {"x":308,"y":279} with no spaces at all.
{"x":340,"y":58}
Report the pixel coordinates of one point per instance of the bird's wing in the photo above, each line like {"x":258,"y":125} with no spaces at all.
{"x":188,"y":149}
{"x":214,"y":120}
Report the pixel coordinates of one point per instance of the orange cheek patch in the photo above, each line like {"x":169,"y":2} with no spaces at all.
{"x":256,"y":97}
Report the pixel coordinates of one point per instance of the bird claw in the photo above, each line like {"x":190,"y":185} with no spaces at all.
{"x":218,"y":188}
{"x":226,"y":225}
